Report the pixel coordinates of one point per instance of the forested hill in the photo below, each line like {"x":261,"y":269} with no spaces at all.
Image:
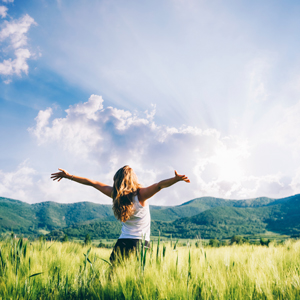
{"x":211,"y":217}
{"x":281,"y":216}
{"x":198,"y":205}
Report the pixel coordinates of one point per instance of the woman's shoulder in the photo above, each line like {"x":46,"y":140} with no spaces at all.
{"x":137,"y":199}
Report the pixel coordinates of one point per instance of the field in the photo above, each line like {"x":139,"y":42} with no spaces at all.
{"x":44,"y":270}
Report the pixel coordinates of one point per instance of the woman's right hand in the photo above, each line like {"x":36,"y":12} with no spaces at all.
{"x":60,"y":175}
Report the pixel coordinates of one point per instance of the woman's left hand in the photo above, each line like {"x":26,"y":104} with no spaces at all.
{"x":60,"y":175}
{"x":181,"y":177}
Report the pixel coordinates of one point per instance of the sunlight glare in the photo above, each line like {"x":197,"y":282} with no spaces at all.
{"x":229,"y":165}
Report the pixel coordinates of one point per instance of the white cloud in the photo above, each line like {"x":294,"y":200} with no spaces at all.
{"x":78,"y":132}
{"x":27,"y":184}
{"x":18,"y":184}
{"x":6,"y":67}
{"x":246,"y":187}
{"x":42,"y":120}
{"x":286,"y":130}
{"x":89,"y":109}
{"x":102,"y":139}
{"x":16,"y":66}
{"x":8,"y":1}
{"x":15,"y":31}
{"x":295,"y":184}
{"x":279,"y":131}
{"x":3,"y":11}
{"x":8,"y":81}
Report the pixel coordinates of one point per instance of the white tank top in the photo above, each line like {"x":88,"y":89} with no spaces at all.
{"x":138,"y":225}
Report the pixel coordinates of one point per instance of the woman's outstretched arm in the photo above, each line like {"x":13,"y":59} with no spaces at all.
{"x":148,"y":192}
{"x":105,"y":189}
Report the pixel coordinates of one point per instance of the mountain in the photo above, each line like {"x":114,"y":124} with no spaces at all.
{"x":56,"y":215}
{"x":27,"y":218}
{"x":198,"y":205}
{"x":220,"y":218}
{"x":285,"y":216}
{"x":15,"y":214}
{"x":206,"y":217}
{"x":240,"y":218}
{"x":205,"y":203}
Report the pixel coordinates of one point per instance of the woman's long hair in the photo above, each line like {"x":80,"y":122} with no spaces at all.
{"x":125,"y":187}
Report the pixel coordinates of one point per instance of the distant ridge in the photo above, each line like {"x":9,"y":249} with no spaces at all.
{"x":25,"y":218}
{"x":209,"y":201}
{"x":207,"y":216}
{"x":245,"y":217}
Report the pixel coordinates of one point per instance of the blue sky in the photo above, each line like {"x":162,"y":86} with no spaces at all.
{"x":205,"y":87}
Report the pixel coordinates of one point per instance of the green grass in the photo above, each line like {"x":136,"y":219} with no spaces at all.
{"x":44,"y":270}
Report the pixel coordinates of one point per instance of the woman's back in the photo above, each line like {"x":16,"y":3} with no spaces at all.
{"x":138,"y":225}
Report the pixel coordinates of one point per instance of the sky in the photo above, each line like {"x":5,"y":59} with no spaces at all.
{"x":208,"y":88}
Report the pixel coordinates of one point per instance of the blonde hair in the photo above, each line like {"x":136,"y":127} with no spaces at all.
{"x":125,"y":187}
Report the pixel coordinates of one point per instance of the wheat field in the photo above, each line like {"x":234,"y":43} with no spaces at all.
{"x":55,"y":270}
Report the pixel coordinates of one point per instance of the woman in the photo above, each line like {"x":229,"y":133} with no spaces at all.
{"x":130,"y":204}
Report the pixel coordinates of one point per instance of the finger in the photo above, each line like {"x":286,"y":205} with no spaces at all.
{"x":56,"y":173}
{"x":176,"y":174}
{"x":59,"y":179}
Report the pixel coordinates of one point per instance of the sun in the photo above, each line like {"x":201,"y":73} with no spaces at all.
{"x":229,"y":165}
